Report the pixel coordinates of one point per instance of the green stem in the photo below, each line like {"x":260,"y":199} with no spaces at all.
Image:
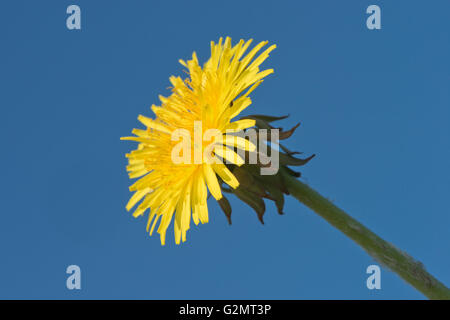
{"x":400,"y":262}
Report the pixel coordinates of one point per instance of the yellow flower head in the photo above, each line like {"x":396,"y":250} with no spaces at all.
{"x":207,"y":100}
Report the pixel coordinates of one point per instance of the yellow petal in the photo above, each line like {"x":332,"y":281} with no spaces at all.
{"x":154,"y":224}
{"x":240,"y":125}
{"x":153,"y":124}
{"x":228,"y":155}
{"x":239,"y":142}
{"x":211,"y":181}
{"x":239,"y":106}
{"x":203,"y":212}
{"x":199,"y":197}
{"x":138,"y":195}
{"x":226,"y":175}
{"x":263,"y":56}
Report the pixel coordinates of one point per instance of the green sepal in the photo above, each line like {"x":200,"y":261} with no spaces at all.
{"x":265,"y":118}
{"x":247,"y":181}
{"x":226,"y":208}
{"x":277,"y":196}
{"x":257,"y":203}
{"x":253,"y":187}
{"x":289,"y":160}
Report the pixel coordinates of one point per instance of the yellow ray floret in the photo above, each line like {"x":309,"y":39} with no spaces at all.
{"x":211,"y":96}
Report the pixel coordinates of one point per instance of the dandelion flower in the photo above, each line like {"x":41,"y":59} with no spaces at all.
{"x":210,"y":98}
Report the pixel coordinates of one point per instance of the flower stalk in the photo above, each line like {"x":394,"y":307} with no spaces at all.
{"x":398,"y":261}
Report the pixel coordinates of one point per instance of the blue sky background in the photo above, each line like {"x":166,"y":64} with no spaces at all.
{"x":374,"y":107}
